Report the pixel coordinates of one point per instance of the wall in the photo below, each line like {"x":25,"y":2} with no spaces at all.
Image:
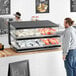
{"x":44,"y":64}
{"x":27,"y":8}
{"x":68,"y":13}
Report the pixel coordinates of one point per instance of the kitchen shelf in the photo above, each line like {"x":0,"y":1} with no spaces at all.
{"x":35,"y":48}
{"x":33,"y":37}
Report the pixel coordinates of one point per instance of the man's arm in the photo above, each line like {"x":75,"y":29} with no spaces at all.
{"x":66,"y":43}
{"x":60,"y":33}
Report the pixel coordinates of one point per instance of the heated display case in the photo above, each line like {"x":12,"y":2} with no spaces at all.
{"x":26,"y":36}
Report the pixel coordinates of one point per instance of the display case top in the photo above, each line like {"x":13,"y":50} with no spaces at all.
{"x":33,"y":24}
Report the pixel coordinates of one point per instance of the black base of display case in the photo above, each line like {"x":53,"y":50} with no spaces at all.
{"x":35,"y":48}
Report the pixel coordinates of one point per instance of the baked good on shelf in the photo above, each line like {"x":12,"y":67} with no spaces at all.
{"x":1,"y":47}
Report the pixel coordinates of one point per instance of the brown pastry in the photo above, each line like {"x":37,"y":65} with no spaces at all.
{"x":0,"y":46}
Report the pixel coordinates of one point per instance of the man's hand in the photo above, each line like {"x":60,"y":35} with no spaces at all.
{"x":64,"y":57}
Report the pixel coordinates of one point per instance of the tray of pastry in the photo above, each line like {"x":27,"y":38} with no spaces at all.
{"x":34,"y":33}
{"x":36,"y":43}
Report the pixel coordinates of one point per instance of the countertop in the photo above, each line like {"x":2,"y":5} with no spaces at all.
{"x":10,"y":52}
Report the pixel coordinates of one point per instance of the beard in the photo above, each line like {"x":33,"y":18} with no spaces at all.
{"x":66,"y":27}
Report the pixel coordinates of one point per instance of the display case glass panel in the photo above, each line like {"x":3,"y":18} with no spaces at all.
{"x":33,"y":35}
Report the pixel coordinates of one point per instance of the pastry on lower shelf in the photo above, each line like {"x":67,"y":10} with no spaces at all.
{"x":46,"y":41}
{"x":21,"y":44}
{"x":39,"y":42}
{"x":53,"y":41}
{"x":30,"y":43}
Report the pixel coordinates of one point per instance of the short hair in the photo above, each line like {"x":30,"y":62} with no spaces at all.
{"x":18,"y":14}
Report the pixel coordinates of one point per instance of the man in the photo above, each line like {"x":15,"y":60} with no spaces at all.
{"x":69,"y":47}
{"x":17,"y":16}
